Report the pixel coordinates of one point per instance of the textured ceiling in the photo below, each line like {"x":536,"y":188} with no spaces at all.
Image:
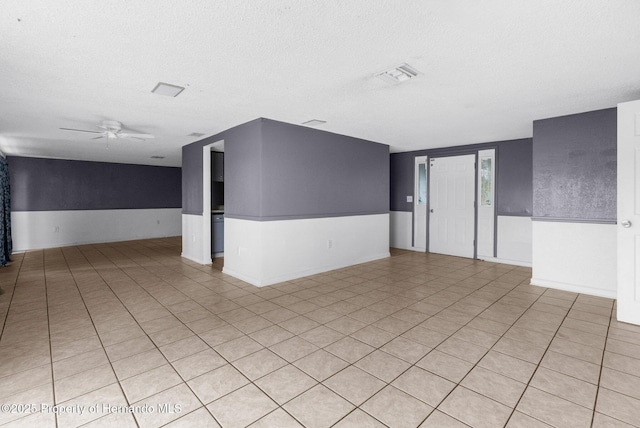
{"x":489,"y":68}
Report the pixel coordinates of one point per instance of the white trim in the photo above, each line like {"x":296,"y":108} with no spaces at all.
{"x":506,"y":261}
{"x":260,"y":282}
{"x":574,"y":288}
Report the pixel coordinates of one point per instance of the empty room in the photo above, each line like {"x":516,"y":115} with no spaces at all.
{"x":316,"y":213}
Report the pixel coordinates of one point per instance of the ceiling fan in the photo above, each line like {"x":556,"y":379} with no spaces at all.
{"x":112,"y":129}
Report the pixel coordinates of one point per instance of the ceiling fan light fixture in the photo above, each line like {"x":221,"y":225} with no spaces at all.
{"x":167,"y":89}
{"x":398,"y":74}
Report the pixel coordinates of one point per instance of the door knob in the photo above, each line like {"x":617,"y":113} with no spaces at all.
{"x":625,"y":223}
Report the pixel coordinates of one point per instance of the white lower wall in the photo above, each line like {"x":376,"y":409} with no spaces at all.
{"x":578,"y":257}
{"x":192,"y":239}
{"x":47,"y":229}
{"x":401,"y":230}
{"x":514,"y":240}
{"x":514,"y":237}
{"x":268,"y":252}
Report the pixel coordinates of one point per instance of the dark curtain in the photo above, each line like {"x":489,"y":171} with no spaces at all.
{"x":5,"y":214}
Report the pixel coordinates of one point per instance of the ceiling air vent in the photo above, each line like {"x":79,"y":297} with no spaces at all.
{"x":167,"y":89}
{"x":398,"y":74}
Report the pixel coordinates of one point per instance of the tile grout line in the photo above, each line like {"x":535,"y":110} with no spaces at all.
{"x":604,"y":350}
{"x":13,"y":293}
{"x":136,"y":257}
{"x":434,"y":348}
{"x":118,"y":380}
{"x":97,"y":334}
{"x":46,"y":294}
{"x":540,"y":361}
{"x":197,"y":335}
{"x":459,"y":383}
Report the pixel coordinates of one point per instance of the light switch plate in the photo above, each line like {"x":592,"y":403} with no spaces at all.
{"x":409,"y":198}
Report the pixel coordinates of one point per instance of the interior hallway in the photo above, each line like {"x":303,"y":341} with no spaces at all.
{"x":413,"y":340}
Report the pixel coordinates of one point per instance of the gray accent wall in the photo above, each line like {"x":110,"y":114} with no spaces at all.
{"x":275,"y":171}
{"x":513,"y":175}
{"x":53,"y":185}
{"x":243,"y":153}
{"x":515,"y":178}
{"x":243,"y":166}
{"x":575,"y":167}
{"x":402,"y":167}
{"x":192,"y":179}
{"x":312,"y":173}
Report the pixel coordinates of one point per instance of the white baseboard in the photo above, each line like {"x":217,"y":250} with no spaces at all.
{"x":505,"y":261}
{"x":610,"y":294}
{"x":258,"y":282}
{"x":416,"y":249}
{"x":195,"y":259}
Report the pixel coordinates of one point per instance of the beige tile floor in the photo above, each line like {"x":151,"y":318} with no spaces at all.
{"x":131,"y":334}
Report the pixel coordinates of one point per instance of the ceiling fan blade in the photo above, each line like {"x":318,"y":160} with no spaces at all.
{"x":135,"y":135}
{"x":81,"y":130}
{"x":97,"y":138}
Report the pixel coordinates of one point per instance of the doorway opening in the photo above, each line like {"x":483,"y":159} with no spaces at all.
{"x":212,"y":206}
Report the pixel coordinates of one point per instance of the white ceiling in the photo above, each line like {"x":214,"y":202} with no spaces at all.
{"x":489,"y":68}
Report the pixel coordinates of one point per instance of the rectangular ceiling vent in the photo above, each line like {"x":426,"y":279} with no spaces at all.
{"x":398,"y":74}
{"x":157,"y":157}
{"x":167,"y":89}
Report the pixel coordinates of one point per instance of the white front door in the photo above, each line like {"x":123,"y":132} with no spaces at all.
{"x":629,"y":212}
{"x":420,"y":204}
{"x":451,"y":205}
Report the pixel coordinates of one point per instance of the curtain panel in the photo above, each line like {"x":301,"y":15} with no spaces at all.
{"x":5,"y":213}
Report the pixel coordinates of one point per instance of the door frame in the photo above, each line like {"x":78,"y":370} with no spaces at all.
{"x":216,"y":146}
{"x":460,"y":151}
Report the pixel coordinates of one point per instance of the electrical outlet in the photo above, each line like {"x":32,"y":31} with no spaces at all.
{"x":330,"y":243}
{"x":56,"y":229}
{"x":193,"y":237}
{"x":158,"y":221}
